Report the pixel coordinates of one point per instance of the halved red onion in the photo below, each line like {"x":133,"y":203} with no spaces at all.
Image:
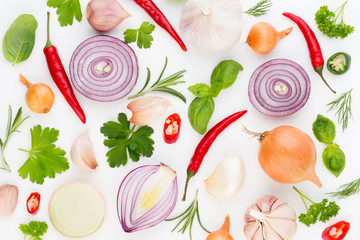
{"x":279,"y":87}
{"x":146,"y":197}
{"x":104,"y":68}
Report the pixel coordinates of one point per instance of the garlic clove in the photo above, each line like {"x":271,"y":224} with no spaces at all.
{"x":284,"y":227}
{"x":82,"y":153}
{"x":145,"y":110}
{"x":270,"y":233}
{"x":283,"y":211}
{"x":8,"y":199}
{"x":252,"y":229}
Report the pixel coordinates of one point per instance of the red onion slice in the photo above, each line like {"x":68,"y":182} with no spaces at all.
{"x":104,"y":68}
{"x":133,"y":211}
{"x":279,"y":87}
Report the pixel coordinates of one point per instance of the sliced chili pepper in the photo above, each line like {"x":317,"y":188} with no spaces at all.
{"x":339,"y":63}
{"x":59,"y":75}
{"x":316,"y":56}
{"x":33,"y":203}
{"x":336,"y":232}
{"x":205,"y":143}
{"x":172,"y":128}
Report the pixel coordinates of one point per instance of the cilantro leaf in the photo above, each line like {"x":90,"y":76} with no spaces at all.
{"x":34,"y":229}
{"x":142,"y":35}
{"x":123,"y":141}
{"x":67,"y":10}
{"x":45,"y":159}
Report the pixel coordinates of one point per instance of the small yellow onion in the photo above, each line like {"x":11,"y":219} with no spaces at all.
{"x":223,"y":233}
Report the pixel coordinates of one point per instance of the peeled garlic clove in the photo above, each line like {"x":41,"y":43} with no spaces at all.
{"x":145,"y":110}
{"x":8,"y":199}
{"x":82,"y":153}
{"x":227,"y":178}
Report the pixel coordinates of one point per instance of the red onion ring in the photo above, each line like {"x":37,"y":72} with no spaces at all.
{"x":103,"y":68}
{"x":279,"y":87}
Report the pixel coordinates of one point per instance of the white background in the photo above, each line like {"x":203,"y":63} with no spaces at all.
{"x":199,"y":66}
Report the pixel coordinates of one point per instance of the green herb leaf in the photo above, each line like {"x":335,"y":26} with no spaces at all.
{"x":200,"y":112}
{"x":342,"y":105}
{"x":324,"y":129}
{"x":261,"y":8}
{"x":334,"y":159}
{"x":123,"y":140}
{"x":34,"y":229}
{"x":45,"y":159}
{"x":142,"y":35}
{"x":67,"y":10}
{"x":200,"y":90}
{"x":347,"y":190}
{"x":19,"y":39}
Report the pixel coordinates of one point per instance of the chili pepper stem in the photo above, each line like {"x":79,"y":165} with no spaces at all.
{"x":48,"y":43}
{"x":319,"y":71}
{"x":190,"y":174}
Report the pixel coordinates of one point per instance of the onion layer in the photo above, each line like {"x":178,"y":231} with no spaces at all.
{"x":104,"y":68}
{"x":279,"y":87}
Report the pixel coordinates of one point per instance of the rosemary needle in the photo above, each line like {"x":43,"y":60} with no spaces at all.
{"x":259,"y":9}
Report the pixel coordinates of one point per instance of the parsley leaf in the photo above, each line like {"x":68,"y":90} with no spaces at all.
{"x":123,"y":141}
{"x":45,"y":159}
{"x":34,"y":229}
{"x":67,"y":10}
{"x":142,"y":35}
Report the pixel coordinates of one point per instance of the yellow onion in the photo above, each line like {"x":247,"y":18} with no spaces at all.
{"x":223,"y":233}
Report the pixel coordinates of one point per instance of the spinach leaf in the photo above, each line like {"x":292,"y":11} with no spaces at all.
{"x":200,"y":90}
{"x":19,"y":39}
{"x":200,"y":112}
{"x":334,"y":159}
{"x":324,"y":129}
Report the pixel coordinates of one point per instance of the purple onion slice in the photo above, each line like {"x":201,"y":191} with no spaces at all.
{"x":104,"y":68}
{"x":279,"y":87}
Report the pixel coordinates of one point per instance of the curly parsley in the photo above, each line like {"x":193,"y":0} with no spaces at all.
{"x":142,"y":35}
{"x":328,"y":24}
{"x":67,"y":11}
{"x":34,"y":229}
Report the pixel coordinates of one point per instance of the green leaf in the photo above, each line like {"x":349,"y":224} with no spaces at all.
{"x":142,"y":35}
{"x":200,"y":112}
{"x":140,"y":143}
{"x":224,"y":75}
{"x":34,"y":229}
{"x":130,"y":35}
{"x":334,"y":159}
{"x":114,"y":130}
{"x":200,"y":90}
{"x":19,"y":39}
{"x":324,"y":129}
{"x":67,"y":10}
{"x":117,"y":155}
{"x":45,"y":160}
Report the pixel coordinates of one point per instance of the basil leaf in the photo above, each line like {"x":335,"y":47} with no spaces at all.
{"x":334,"y":159}
{"x":200,"y":112}
{"x":224,"y":75}
{"x":201,"y":90}
{"x":324,"y":129}
{"x":19,"y":39}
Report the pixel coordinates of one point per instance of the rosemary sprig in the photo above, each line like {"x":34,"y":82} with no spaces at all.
{"x":259,"y":9}
{"x":188,"y":217}
{"x":163,"y":85}
{"x":347,"y":190}
{"x":342,"y":105}
{"x":12,"y":126}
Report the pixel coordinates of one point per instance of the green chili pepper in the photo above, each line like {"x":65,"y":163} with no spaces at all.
{"x":339,"y":63}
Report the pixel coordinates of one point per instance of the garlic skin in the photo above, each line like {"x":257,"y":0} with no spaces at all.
{"x":104,"y":15}
{"x":228,"y":177}
{"x":82,"y":153}
{"x":270,"y":219}
{"x":145,"y":110}
{"x":211,"y":25}
{"x":8,"y":199}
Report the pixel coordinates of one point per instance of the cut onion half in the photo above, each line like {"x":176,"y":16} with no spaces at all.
{"x":77,"y":209}
{"x":104,"y":68}
{"x":279,"y":87}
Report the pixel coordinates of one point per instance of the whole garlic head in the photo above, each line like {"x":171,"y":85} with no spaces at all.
{"x":270,"y":219}
{"x":212,"y":25}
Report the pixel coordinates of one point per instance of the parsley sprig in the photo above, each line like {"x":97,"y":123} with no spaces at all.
{"x":67,"y":10}
{"x":259,"y":9}
{"x":142,"y":36}
{"x":34,"y":229}
{"x":347,"y":189}
{"x":342,"y":105}
{"x":328,"y":24}
{"x":322,"y":211}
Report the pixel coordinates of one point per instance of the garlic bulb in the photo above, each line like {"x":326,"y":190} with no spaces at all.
{"x":270,"y":219}
{"x":8,"y":199}
{"x":212,"y":25}
{"x":227,"y":178}
{"x":145,"y":110}
{"x":82,"y":153}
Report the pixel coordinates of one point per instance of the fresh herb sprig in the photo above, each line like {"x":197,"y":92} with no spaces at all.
{"x":188,"y":217}
{"x":34,"y":229}
{"x":12,"y":127}
{"x":347,"y":190}
{"x":259,"y":9}
{"x":162,"y":85}
{"x":142,"y":36}
{"x":342,"y":105}
{"x":322,"y":211}
{"x":67,"y":10}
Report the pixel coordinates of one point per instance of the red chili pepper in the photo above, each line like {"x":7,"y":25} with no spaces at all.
{"x":154,"y":12}
{"x":336,"y":232}
{"x":59,"y":76}
{"x":316,"y":56}
{"x":172,"y":128}
{"x":205,"y":143}
{"x":33,"y":203}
